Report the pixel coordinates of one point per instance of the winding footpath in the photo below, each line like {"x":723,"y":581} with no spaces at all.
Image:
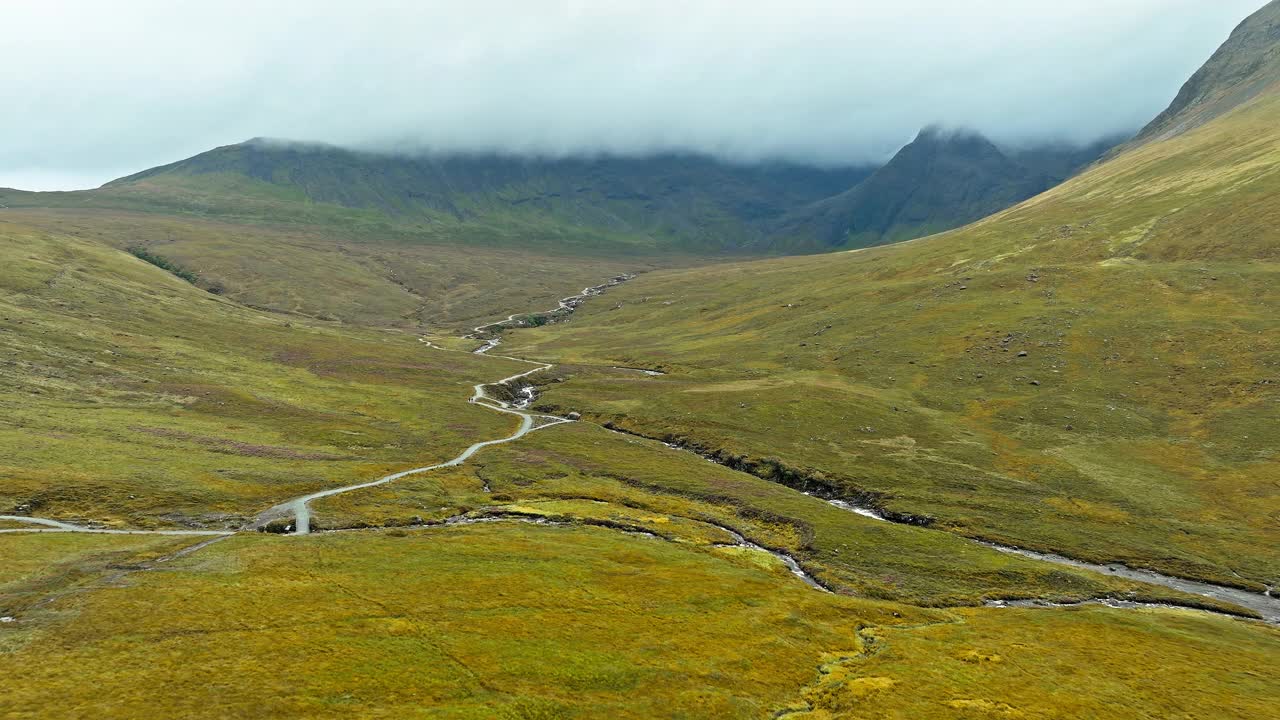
{"x":300,"y":508}
{"x":47,"y":525}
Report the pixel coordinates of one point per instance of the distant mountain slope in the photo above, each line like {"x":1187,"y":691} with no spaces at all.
{"x":1246,"y":65}
{"x":941,"y":180}
{"x":684,"y":200}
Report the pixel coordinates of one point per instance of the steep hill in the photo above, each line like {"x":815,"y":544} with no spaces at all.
{"x":941,"y":180}
{"x":1247,"y":65}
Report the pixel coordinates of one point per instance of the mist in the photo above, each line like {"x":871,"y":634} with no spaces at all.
{"x":97,"y":90}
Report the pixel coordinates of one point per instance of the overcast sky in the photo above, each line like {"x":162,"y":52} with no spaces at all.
{"x":95,"y":89}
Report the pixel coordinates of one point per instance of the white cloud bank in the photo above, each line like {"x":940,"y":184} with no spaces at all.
{"x":96,"y":89}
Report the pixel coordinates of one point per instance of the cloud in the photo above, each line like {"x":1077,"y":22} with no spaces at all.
{"x":97,"y":89}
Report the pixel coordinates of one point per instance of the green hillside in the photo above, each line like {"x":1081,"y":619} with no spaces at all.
{"x":132,"y":398}
{"x":326,"y":272}
{"x":447,"y":241}
{"x":673,"y":201}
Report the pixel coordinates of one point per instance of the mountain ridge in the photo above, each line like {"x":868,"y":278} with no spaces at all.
{"x":692,"y":197}
{"x":688,"y":201}
{"x":1244,"y":67}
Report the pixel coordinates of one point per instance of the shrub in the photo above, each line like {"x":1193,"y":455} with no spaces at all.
{"x":164,"y":264}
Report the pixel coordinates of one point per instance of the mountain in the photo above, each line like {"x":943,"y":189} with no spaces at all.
{"x":677,"y":200}
{"x":941,"y":180}
{"x":1247,"y":65}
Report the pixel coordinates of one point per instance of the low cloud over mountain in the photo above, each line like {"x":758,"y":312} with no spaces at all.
{"x":108,"y":88}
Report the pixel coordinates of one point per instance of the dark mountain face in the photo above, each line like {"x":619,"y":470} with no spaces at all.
{"x":1246,"y":65}
{"x":942,"y":180}
{"x":1057,"y":162}
{"x":702,"y":201}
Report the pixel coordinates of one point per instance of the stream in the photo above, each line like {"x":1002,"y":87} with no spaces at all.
{"x":741,"y":542}
{"x":1264,"y":604}
{"x":565,"y":307}
{"x":1267,"y":605}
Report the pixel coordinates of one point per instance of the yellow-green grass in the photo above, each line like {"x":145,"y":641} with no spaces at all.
{"x":1055,"y":664}
{"x":1140,"y":426}
{"x":585,"y":475}
{"x":129,"y":397}
{"x":371,"y":279}
{"x":513,"y":620}
{"x":501,"y":620}
{"x":30,"y":556}
{"x":39,"y":568}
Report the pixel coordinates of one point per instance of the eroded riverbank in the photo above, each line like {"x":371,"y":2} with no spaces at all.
{"x":1266,"y":606}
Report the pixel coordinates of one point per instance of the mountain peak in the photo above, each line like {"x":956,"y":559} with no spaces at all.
{"x":938,"y":133}
{"x":938,"y":141}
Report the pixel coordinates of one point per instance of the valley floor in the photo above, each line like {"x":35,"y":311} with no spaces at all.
{"x":580,"y":572}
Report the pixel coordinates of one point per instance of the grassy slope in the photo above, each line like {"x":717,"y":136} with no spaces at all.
{"x":130,"y":396}
{"x":1078,"y":663}
{"x":1149,"y":435}
{"x":505,"y":620}
{"x":40,"y":567}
